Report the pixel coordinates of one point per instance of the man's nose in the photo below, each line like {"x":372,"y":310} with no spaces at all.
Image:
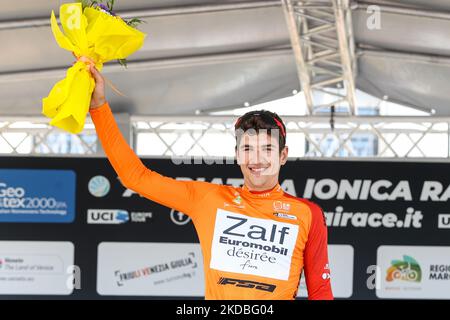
{"x":254,"y":156}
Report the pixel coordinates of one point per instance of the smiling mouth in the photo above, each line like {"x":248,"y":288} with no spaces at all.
{"x":258,"y":170}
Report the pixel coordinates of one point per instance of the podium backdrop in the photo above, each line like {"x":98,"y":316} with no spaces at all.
{"x":69,"y":229}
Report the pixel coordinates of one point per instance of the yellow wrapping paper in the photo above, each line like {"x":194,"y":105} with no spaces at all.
{"x":94,"y":37}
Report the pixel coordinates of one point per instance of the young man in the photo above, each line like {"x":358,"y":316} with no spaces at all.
{"x":256,"y":239}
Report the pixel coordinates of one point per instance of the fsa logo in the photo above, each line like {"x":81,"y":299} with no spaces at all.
{"x":248,"y":284}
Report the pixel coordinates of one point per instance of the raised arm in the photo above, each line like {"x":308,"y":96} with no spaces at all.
{"x":180,"y":195}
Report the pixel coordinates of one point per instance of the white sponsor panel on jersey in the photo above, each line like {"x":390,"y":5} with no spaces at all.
{"x":36,"y":268}
{"x":150,"y":269}
{"x":341,"y":259}
{"x":255,"y":246}
{"x":413,"y":272}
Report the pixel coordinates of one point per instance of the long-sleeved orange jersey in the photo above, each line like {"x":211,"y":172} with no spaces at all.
{"x":254,"y":244}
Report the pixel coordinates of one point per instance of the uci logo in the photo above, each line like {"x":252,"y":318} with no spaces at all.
{"x":107,"y":216}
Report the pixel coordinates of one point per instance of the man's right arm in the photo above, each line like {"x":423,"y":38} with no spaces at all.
{"x":180,"y":195}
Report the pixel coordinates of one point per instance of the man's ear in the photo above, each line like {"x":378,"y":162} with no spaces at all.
{"x":284,"y":155}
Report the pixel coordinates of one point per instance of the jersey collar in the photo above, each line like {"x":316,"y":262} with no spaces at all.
{"x":271,"y":193}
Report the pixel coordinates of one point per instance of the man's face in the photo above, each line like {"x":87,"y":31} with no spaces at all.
{"x":260,"y":160}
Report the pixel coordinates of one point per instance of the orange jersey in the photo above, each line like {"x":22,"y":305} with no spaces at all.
{"x":254,"y":244}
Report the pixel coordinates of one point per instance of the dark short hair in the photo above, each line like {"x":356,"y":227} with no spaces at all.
{"x":261,"y":120}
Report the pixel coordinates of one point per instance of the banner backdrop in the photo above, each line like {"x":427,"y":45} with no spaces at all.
{"x":69,"y":229}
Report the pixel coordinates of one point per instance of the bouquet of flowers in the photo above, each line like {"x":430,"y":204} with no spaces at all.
{"x":95,"y":35}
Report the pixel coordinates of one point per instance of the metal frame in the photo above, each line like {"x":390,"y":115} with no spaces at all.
{"x":387,"y":132}
{"x":322,"y":40}
{"x":396,"y":137}
{"x":37,"y":131}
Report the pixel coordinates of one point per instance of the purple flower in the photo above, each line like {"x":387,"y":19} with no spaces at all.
{"x":105,"y":9}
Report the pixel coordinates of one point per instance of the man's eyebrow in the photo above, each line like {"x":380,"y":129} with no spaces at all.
{"x":264,"y":145}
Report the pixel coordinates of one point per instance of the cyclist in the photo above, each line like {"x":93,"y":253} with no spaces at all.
{"x":255,"y":239}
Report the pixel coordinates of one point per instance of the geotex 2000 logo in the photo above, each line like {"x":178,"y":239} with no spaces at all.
{"x":37,"y":195}
{"x":407,"y":269}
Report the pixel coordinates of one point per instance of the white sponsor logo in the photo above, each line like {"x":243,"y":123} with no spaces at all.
{"x":278,"y":205}
{"x":107,"y":216}
{"x":285,"y":216}
{"x":186,"y":262}
{"x":413,"y":272}
{"x":116,"y":216}
{"x":99,"y":186}
{"x":379,"y":190}
{"x":444,"y":221}
{"x":150,"y":269}
{"x":14,"y":200}
{"x":434,"y":191}
{"x":340,"y":218}
{"x":35,"y":267}
{"x":141,"y":216}
{"x":326,"y":274}
{"x":247,"y":245}
{"x":179,"y":218}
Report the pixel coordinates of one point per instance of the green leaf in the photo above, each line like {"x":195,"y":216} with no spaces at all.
{"x":84,"y":3}
{"x":135,"y":22}
{"x":110,"y":4}
{"x":123,"y":62}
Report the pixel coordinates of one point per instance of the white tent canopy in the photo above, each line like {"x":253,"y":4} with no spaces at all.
{"x":211,"y":55}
